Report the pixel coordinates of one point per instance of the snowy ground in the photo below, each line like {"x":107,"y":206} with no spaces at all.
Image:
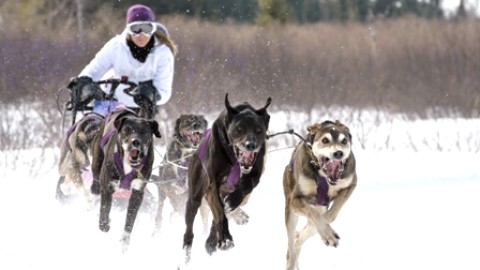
{"x":409,"y":211}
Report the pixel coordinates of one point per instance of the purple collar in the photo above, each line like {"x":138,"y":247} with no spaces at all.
{"x":234,"y":174}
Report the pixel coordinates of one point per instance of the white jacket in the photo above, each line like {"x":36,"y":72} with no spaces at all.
{"x":115,"y":60}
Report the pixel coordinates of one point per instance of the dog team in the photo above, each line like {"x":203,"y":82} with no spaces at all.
{"x":209,"y":169}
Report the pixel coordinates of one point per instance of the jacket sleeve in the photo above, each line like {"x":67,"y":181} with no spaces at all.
{"x":101,"y":63}
{"x":163,"y":78}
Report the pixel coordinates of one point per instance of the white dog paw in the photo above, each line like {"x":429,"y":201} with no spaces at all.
{"x":125,"y":242}
{"x":239,"y":216}
{"x":329,"y":236}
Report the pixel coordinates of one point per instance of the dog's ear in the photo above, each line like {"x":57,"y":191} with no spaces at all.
{"x":345,"y":128}
{"x":155,"y":128}
{"x":176,"y":131}
{"x":119,"y":123}
{"x":230,"y":109}
{"x":312,"y":130}
{"x":263,"y":112}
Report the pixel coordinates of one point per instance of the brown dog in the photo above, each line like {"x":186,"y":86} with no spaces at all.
{"x":225,"y":169}
{"x":318,"y":181}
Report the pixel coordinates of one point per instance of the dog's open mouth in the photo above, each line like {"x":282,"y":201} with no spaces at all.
{"x":193,"y":137}
{"x":332,"y":168}
{"x":246,"y":159}
{"x":135,"y":158}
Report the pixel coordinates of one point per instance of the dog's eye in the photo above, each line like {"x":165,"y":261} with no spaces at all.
{"x":344,"y":141}
{"x":325,"y":141}
{"x":239,"y":129}
{"x":258,"y":130}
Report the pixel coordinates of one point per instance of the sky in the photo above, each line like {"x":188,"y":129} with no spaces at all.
{"x":452,"y":5}
{"x":410,"y":210}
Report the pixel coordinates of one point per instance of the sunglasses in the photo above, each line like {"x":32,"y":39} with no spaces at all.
{"x":136,"y":28}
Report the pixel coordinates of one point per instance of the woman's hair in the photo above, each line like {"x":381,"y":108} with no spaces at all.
{"x":165,"y":39}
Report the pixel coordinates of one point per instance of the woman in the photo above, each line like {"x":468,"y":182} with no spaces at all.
{"x":143,"y":53}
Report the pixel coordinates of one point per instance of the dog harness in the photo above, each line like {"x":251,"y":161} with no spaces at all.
{"x":110,"y":129}
{"x":93,"y":116}
{"x":125,"y":180}
{"x":322,"y":185}
{"x":234,"y":174}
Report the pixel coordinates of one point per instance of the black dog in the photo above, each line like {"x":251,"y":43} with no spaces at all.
{"x":225,"y":169}
{"x":122,"y":157}
{"x":171,"y":183}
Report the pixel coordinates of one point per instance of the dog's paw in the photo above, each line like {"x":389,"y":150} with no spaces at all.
{"x":211,"y":246}
{"x":104,"y":225}
{"x":239,"y":216}
{"x":329,"y":236}
{"x":225,"y":245}
{"x":125,"y":241}
{"x":95,"y":187}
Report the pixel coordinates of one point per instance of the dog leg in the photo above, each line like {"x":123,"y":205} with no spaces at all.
{"x":300,"y":237}
{"x":193,"y":203}
{"x":60,"y":195}
{"x":161,"y":201}
{"x":338,"y":202}
{"x":291,"y":221}
{"x":204,"y":212}
{"x":316,"y":214}
{"x":212,"y":240}
{"x":219,"y":230}
{"x":105,"y":207}
{"x":134,"y":203}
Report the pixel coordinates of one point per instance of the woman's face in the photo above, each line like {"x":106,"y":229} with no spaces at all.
{"x":141,"y":40}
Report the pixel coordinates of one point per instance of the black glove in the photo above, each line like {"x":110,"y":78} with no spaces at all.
{"x":147,"y":90}
{"x":145,"y":95}
{"x":83,"y":90}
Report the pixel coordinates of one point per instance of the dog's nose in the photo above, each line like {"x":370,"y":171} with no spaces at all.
{"x":338,"y":154}
{"x":250,"y":146}
{"x":135,"y":143}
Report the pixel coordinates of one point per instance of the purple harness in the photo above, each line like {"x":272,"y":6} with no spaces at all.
{"x":125,"y":180}
{"x":234,"y":174}
{"x":92,"y":115}
{"x":322,"y":186}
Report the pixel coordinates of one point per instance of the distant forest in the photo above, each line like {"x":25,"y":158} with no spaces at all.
{"x":245,"y":11}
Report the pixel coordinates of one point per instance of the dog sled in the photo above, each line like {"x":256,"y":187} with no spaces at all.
{"x":80,"y":105}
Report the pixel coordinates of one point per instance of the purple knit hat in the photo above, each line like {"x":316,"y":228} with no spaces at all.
{"x":140,"y":13}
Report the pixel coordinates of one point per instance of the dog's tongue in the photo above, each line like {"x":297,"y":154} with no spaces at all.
{"x":246,"y":158}
{"x":193,"y":137}
{"x":334,"y":169}
{"x":134,"y":154}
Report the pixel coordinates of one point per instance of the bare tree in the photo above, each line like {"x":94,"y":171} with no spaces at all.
{"x":80,"y":19}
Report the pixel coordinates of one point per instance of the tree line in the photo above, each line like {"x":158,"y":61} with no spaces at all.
{"x":296,"y":11}
{"x":245,"y":11}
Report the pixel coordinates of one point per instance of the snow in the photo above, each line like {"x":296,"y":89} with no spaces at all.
{"x":411,"y":210}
